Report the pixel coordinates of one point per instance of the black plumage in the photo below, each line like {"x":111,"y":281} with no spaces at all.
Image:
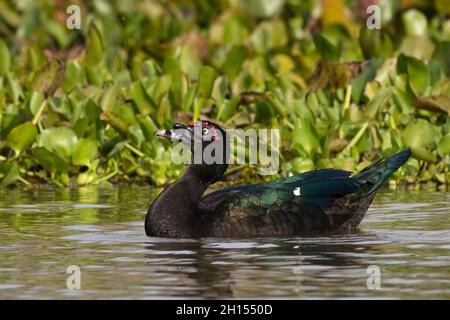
{"x":310,"y":202}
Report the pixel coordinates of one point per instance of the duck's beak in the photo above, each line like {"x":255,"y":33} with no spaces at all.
{"x":168,"y":134}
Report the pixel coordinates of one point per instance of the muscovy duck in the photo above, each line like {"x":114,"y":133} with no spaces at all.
{"x":306,"y":203}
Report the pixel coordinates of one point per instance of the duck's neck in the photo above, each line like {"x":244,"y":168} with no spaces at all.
{"x":174,"y":212}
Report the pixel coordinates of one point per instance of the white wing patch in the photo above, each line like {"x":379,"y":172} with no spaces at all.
{"x":297,"y":192}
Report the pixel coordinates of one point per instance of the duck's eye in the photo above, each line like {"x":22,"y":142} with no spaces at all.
{"x":205,"y":130}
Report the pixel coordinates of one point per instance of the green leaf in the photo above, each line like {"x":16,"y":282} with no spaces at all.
{"x":36,"y":100}
{"x":206,"y":78}
{"x":118,"y":123}
{"x":22,"y":136}
{"x":419,"y":134}
{"x":437,"y":103}
{"x":190,"y":97}
{"x":423,"y":154}
{"x":12,"y":174}
{"x":261,"y":8}
{"x":233,"y":63}
{"x":441,"y":55}
{"x":15,"y":89}
{"x":379,"y":100}
{"x":418,"y":75}
{"x":444,"y":145}
{"x":142,"y":100}
{"x":61,"y":141}
{"x":375,"y":43}
{"x":109,"y":99}
{"x":49,"y":77}
{"x":94,"y":46}
{"x":50,"y":161}
{"x":85,"y":152}
{"x":326,"y":49}
{"x":5,"y":58}
{"x":137,"y":134}
{"x":73,"y":76}
{"x":415,"y":23}
{"x":148,"y":126}
{"x":305,"y":137}
{"x":359,"y":83}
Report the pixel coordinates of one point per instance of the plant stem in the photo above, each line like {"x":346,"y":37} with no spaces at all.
{"x":135,"y":150}
{"x":107,"y":177}
{"x":38,"y":114}
{"x":24,"y":181}
{"x":357,"y":136}
{"x":348,"y":95}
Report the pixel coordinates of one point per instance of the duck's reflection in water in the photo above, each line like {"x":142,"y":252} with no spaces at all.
{"x":227,"y":268}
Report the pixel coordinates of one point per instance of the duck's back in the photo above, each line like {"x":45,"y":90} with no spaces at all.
{"x":291,"y":206}
{"x":320,"y":200}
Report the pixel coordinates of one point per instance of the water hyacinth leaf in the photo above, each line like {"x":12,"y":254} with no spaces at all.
{"x":73,"y":76}
{"x":418,"y":75}
{"x":261,"y":8}
{"x":199,"y":105}
{"x":116,"y":122}
{"x":50,"y":161}
{"x":36,"y":100}
{"x":85,"y":151}
{"x":109,"y":99}
{"x":423,"y":154}
{"x":9,"y":121}
{"x":5,"y":58}
{"x":190,"y":97}
{"x":415,"y":23}
{"x":401,"y":100}
{"x":142,"y":100}
{"x":15,"y":90}
{"x":419,"y":134}
{"x":277,"y":105}
{"x":269,"y":35}
{"x":62,"y":141}
{"x":206,"y":77}
{"x":336,"y":75}
{"x":375,"y":43}
{"x":325,"y":48}
{"x":148,"y":126}
{"x":233,"y":63}
{"x":137,"y":135}
{"x":220,"y":90}
{"x":359,"y":83}
{"x":11,"y":174}
{"x":94,"y":46}
{"x":443,"y":147}
{"x":22,"y":136}
{"x":441,"y":55}
{"x":48,"y":78}
{"x":380,"y":98}
{"x":117,"y":148}
{"x":93,"y":76}
{"x":304,"y":137}
{"x":126,"y":113}
{"x":436,"y":103}
{"x":92,"y":110}
{"x":162,"y":87}
{"x":228,"y":108}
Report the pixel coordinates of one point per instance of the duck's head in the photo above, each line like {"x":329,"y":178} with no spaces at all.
{"x":208,"y":144}
{"x":199,"y":135}
{"x":198,"y":132}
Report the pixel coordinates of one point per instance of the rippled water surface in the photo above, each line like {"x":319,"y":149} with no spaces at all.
{"x":405,"y":233}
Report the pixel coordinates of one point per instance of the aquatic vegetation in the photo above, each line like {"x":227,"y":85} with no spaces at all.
{"x":79,"y":106}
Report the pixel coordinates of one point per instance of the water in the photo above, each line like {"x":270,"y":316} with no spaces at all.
{"x":405,"y":233}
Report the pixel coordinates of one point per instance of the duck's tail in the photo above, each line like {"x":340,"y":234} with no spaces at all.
{"x":378,"y":172}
